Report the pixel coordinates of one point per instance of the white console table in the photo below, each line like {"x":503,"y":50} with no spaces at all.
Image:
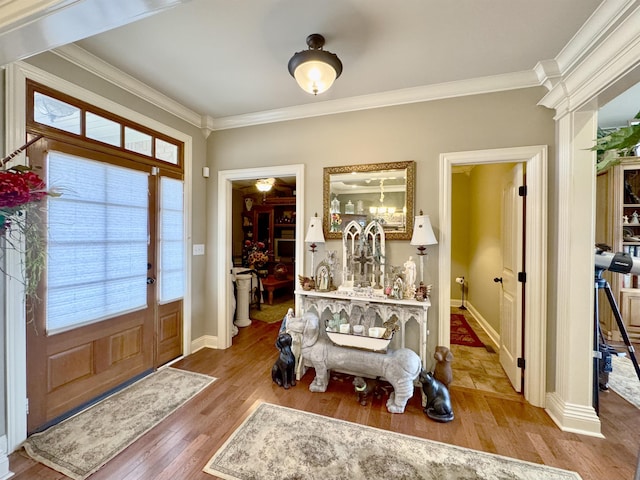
{"x":385,"y":308}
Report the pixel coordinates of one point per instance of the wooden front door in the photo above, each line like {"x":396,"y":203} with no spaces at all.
{"x":113,"y":255}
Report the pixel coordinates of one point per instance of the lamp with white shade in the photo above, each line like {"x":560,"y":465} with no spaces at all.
{"x":314,"y":236}
{"x":422,"y":235}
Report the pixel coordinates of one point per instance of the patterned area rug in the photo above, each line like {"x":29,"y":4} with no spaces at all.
{"x":82,"y":444}
{"x":624,"y":381}
{"x":462,"y":333}
{"x":276,"y":442}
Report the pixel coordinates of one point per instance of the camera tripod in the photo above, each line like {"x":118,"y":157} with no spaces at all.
{"x":607,"y":351}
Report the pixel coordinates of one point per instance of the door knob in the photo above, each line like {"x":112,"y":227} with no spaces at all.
{"x":151,"y":281}
{"x":498,"y":279}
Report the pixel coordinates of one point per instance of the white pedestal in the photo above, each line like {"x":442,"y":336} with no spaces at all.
{"x":243,"y":287}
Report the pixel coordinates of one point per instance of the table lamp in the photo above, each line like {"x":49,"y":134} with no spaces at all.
{"x":314,"y":236}
{"x":422,"y":236}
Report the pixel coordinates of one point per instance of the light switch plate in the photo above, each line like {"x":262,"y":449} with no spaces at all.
{"x":198,"y":249}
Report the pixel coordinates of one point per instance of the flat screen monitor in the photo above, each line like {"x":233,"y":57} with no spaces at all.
{"x":284,"y":249}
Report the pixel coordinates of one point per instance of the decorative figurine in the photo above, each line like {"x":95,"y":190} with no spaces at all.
{"x":635,"y":220}
{"x":365,"y":387}
{"x":409,"y":273}
{"x":362,"y":390}
{"x":283,"y":371}
{"x":438,"y":405}
{"x":307,"y":283}
{"x":248,"y":203}
{"x":442,"y":370}
{"x":335,"y":205}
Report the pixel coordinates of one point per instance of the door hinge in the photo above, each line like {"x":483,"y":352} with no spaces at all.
{"x":522,"y":277}
{"x":26,"y":406}
{"x":522,"y":191}
{"x":520,"y":362}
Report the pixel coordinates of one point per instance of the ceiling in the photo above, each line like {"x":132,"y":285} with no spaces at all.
{"x":223,"y":59}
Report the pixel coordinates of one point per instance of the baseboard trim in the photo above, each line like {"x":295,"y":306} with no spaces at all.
{"x":573,"y":418}
{"x":4,"y":459}
{"x":205,"y":341}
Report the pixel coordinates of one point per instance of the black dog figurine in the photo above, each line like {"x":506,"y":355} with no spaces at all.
{"x":438,"y":406}
{"x":283,"y":371}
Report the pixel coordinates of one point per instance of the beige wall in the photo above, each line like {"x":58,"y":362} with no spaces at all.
{"x":485,"y":255}
{"x":67,"y":71}
{"x":419,"y":132}
{"x":460,"y":224}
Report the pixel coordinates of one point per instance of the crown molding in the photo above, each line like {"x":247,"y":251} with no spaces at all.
{"x":475,"y":86}
{"x":95,"y":65}
{"x":613,"y":44}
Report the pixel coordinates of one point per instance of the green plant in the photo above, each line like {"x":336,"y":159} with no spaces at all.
{"x":612,"y":145}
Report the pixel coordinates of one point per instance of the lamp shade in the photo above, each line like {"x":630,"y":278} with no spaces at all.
{"x":314,"y":233}
{"x":315,"y":69}
{"x":423,"y":232}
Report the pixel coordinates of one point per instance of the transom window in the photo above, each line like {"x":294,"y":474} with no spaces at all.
{"x":53,"y":110}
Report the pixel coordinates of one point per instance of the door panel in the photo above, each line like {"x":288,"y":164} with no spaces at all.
{"x":169,"y":332}
{"x":512,"y":259}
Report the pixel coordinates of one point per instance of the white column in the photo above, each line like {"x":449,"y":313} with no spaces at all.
{"x":243,"y":285}
{"x":571,"y":402}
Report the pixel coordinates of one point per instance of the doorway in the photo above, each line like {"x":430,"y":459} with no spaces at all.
{"x":263,"y":237}
{"x":535,"y":158}
{"x":486,"y":254}
{"x":224,"y":237}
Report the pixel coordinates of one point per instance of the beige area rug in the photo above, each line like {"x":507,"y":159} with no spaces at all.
{"x":624,"y":381}
{"x":271,"y":313}
{"x":83,"y":443}
{"x":280,"y":443}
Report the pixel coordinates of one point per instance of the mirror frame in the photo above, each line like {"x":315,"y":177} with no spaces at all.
{"x":410,"y":167}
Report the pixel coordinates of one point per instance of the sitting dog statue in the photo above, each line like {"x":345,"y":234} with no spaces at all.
{"x":438,"y":406}
{"x":283,"y":371}
{"x":442,"y":371}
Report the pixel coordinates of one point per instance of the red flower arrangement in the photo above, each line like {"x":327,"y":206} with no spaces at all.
{"x":19,"y":186}
{"x":21,"y":191}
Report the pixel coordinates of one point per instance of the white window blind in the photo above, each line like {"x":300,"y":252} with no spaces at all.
{"x":171,"y":269}
{"x":97,"y":242}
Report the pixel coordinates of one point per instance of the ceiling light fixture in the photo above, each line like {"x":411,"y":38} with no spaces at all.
{"x":265,"y":184}
{"x":315,"y":69}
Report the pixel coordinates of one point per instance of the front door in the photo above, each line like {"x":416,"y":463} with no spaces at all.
{"x":512,"y":264}
{"x":98,"y":324}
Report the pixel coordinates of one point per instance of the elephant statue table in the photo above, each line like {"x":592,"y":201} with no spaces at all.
{"x":399,"y":367}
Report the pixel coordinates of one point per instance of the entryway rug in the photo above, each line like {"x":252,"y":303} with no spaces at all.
{"x":276,"y":443}
{"x":271,"y":313}
{"x":462,"y":333}
{"x":624,"y":381}
{"x":83,"y":443}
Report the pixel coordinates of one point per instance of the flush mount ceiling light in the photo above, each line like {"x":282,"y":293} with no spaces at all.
{"x":265,"y":184}
{"x":315,"y":69}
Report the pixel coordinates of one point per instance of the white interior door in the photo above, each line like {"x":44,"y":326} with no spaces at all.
{"x":512,"y":263}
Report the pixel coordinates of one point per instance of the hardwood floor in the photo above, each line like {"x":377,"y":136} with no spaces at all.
{"x":493,"y":422}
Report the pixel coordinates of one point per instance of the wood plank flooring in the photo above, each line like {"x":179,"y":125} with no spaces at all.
{"x":493,"y":422}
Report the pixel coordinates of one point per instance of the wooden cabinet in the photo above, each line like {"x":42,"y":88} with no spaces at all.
{"x":618,"y":225}
{"x":274,"y":224}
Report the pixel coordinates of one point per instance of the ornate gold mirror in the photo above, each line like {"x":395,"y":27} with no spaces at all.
{"x":378,"y":191}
